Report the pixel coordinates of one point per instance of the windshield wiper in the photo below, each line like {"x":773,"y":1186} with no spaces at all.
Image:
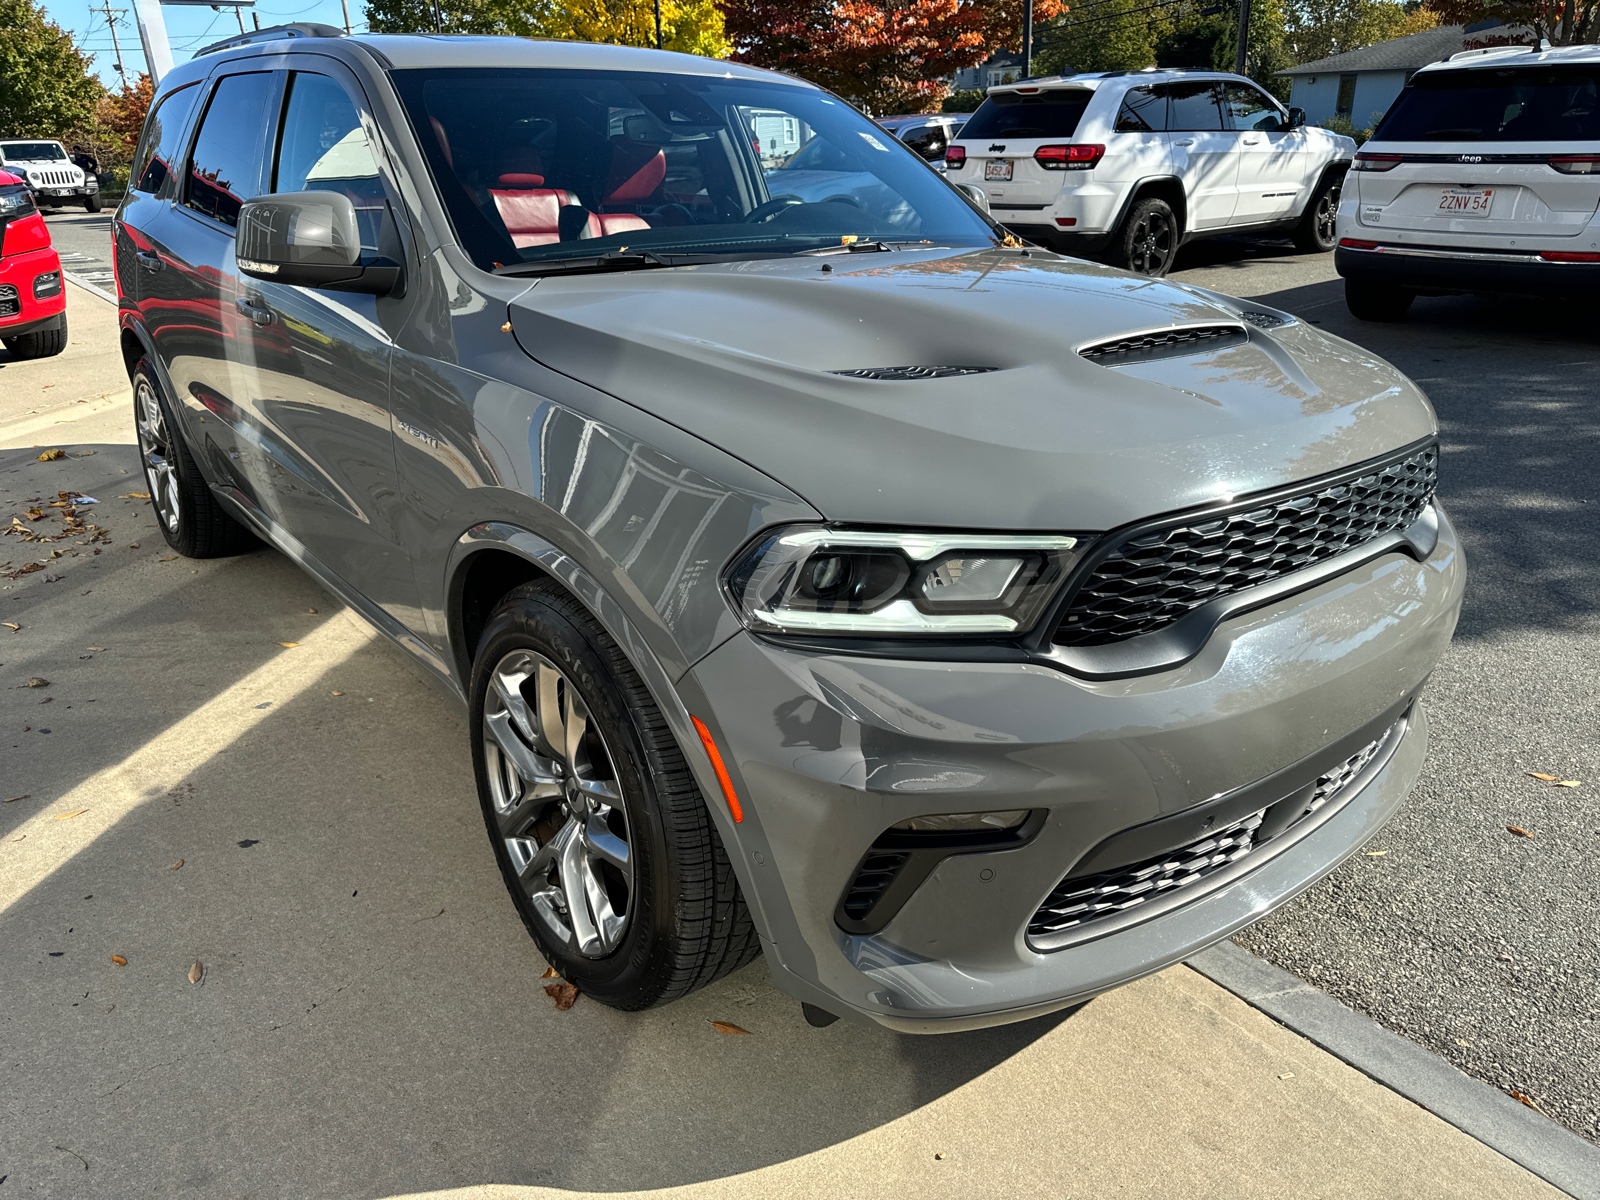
{"x":623,"y":258}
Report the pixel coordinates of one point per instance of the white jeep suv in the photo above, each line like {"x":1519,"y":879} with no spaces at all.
{"x":1484,"y":175}
{"x":1130,"y":165}
{"x":52,"y":177}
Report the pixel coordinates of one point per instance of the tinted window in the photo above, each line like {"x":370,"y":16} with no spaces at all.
{"x":152,"y":162}
{"x":1527,"y":104}
{"x":927,"y":140}
{"x":1193,"y":106}
{"x":324,"y":149}
{"x":225,"y":167}
{"x":1052,"y":114}
{"x":1142,"y":111}
{"x":32,"y":151}
{"x":1246,"y":107}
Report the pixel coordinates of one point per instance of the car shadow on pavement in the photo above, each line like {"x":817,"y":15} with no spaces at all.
{"x":300,"y":820}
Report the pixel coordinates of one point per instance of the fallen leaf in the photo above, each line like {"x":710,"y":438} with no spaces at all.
{"x":938,"y":1156}
{"x":288,"y":645}
{"x":1468,"y":1045}
{"x":11,"y":799}
{"x":196,"y":973}
{"x":1287,"y":1075}
{"x":1543,"y":776}
{"x":1524,"y":1098}
{"x":311,"y":610}
{"x":338,"y":693}
{"x":119,"y":960}
{"x":563,"y":993}
{"x":51,"y":455}
{"x":1518,"y":830}
{"x":137,"y":496}
{"x":506,"y":328}
{"x":135,"y":546}
{"x":38,"y":681}
{"x":12,"y":625}
{"x":1567,"y":783}
{"x":1376,"y":853}
{"x":550,"y":973}
{"x":70,"y":815}
{"x":169,"y":558}
{"x":84,"y":453}
{"x":730,"y":1028}
{"x":176,"y":865}
{"x":96,"y":648}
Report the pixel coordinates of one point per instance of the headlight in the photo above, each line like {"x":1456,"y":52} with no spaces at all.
{"x":808,"y":579}
{"x":15,"y":202}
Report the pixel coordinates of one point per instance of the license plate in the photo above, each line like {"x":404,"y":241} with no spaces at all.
{"x":1454,"y":202}
{"x":61,"y":191}
{"x":998,"y":169}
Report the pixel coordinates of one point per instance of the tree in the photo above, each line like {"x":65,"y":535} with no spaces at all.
{"x":883,"y":57}
{"x":120,"y":115}
{"x":45,"y":85}
{"x":1318,"y":29}
{"x":688,"y":26}
{"x":1563,"y":22}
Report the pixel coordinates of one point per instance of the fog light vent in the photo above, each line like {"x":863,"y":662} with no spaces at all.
{"x":873,"y":877}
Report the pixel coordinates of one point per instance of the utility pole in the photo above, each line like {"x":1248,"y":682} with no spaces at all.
{"x":1239,"y":59}
{"x":658,"y":23}
{"x":153,"y":38}
{"x":1027,"y":38}
{"x":116,"y":47}
{"x":345,"y":4}
{"x":239,"y":13}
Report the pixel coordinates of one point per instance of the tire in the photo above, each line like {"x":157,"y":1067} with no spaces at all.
{"x":573,"y":759}
{"x":41,"y":343}
{"x":190,"y":518}
{"x":1369,"y":301}
{"x":1316,"y":233}
{"x":1147,"y":241}
{"x":92,"y":203}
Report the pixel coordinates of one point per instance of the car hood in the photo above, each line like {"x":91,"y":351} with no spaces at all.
{"x":746,"y":356}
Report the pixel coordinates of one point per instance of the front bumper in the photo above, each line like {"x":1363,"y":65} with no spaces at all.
{"x":831,"y":749}
{"x":1457,"y":269}
{"x":20,"y":311}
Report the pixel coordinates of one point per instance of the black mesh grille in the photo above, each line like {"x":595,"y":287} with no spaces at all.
{"x":1157,"y":575}
{"x":876,"y":872}
{"x":1076,"y":902}
{"x":1163,"y":344}
{"x":911,"y":372}
{"x":10,"y":306}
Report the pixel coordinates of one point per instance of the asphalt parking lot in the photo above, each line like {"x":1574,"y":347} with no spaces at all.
{"x":252,"y":761}
{"x":1476,"y":942}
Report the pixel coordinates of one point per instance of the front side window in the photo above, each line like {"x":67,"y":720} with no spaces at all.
{"x":1193,"y":106}
{"x":1047,"y":114}
{"x":1143,"y":111}
{"x":225,"y":166}
{"x":158,"y":144}
{"x":530,"y":161}
{"x":323,"y":148}
{"x":32,"y":152}
{"x":1522,"y":104}
{"x":1245,"y":107}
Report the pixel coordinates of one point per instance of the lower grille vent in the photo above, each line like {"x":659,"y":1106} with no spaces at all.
{"x":904,"y":373}
{"x":1169,"y":343}
{"x":10,"y":306}
{"x":873,"y":876}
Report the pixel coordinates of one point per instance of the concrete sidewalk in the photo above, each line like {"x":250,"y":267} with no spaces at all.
{"x":300,"y":820}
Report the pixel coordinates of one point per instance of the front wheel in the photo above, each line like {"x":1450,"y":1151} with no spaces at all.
{"x":1316,"y":232}
{"x":601,"y":834}
{"x":41,"y":343}
{"x":1148,"y":240}
{"x":1369,"y":301}
{"x":91,"y":203}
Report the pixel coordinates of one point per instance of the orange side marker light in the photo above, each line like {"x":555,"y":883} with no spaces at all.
{"x":720,"y":768}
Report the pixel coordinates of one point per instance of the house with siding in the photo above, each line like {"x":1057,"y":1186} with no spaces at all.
{"x":1359,"y":85}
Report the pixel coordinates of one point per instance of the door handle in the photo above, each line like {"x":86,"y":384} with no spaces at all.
{"x":259,"y":313}
{"x":1187,"y":143}
{"x":149,"y":260}
{"x":1252,"y":141}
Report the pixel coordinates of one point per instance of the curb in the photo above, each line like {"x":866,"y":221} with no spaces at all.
{"x":1555,"y":1154}
{"x":90,"y":287}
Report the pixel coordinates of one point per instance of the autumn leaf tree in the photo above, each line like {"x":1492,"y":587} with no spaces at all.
{"x":1563,"y":22}
{"x":687,"y":26}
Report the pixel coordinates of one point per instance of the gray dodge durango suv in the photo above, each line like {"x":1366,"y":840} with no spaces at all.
{"x":828,"y":575}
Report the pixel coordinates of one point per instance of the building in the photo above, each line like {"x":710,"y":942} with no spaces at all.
{"x":1359,"y":85}
{"x":1000,"y":68}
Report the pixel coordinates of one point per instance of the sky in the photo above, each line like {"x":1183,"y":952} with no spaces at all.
{"x":188,"y":28}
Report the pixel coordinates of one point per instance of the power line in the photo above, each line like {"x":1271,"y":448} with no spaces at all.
{"x":111,"y":15}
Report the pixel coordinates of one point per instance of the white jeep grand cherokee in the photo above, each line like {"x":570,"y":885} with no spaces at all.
{"x":1130,"y":165}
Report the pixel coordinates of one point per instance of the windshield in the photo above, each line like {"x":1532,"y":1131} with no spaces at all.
{"x":1052,"y":114}
{"x":1523,"y":104}
{"x":29,"y":151}
{"x":540,"y":165}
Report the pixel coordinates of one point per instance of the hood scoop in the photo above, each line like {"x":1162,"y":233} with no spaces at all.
{"x":900,"y":373}
{"x":1165,"y":343}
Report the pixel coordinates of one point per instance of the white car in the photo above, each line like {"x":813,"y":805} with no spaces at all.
{"x":929,"y":134}
{"x":1130,"y":165}
{"x":53,"y":178}
{"x":1484,"y":176}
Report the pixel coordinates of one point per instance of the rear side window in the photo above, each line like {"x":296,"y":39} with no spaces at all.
{"x":225,"y":166}
{"x":1527,"y":104}
{"x":1142,"y":111}
{"x":158,"y":145}
{"x":1193,"y":106}
{"x":1053,"y":114}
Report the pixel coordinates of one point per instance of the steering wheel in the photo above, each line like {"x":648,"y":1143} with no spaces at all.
{"x":763,"y":213}
{"x":843,"y":199}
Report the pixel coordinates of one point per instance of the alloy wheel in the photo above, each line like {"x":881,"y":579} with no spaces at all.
{"x":1327,"y":216}
{"x":1150,"y":246}
{"x":557,"y":804}
{"x":155,"y":448}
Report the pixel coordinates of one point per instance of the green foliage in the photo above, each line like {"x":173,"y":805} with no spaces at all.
{"x":1345,"y":126}
{"x":1103,"y":35}
{"x":1318,"y":29}
{"x":45,"y":85}
{"x":964,"y":101}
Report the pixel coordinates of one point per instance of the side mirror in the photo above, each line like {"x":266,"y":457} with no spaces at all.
{"x":1297,"y":118}
{"x":309,"y":239}
{"x":974,"y":193}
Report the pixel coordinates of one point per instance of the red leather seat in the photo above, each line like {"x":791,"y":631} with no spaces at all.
{"x":531,"y":211}
{"x":637,"y":172}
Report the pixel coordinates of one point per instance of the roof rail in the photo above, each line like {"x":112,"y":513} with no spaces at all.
{"x":273,"y":33}
{"x":1483,"y":50}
